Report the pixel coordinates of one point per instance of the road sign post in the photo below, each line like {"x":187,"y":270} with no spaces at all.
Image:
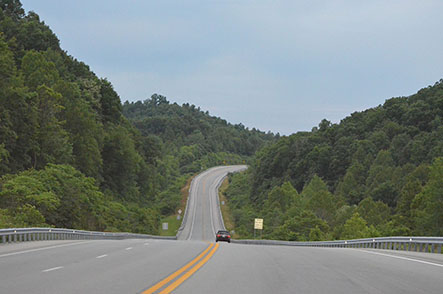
{"x":258,"y":225}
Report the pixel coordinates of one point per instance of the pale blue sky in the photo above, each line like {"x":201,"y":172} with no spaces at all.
{"x":275,"y":65}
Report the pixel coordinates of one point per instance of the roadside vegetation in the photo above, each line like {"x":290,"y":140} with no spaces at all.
{"x":173,"y":225}
{"x":225,"y":209}
{"x":377,"y":173}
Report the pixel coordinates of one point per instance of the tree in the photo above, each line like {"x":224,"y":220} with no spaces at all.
{"x":352,"y":187}
{"x":84,"y":129}
{"x":318,"y":199}
{"x":316,"y":234}
{"x":111,"y":107}
{"x":12,"y":8}
{"x":375,"y":213}
{"x":120,"y":164}
{"x":285,"y":196}
{"x":299,"y":228}
{"x":28,"y":216}
{"x":380,"y":185}
{"x":7,"y":65}
{"x":428,"y":205}
{"x":57,"y":195}
{"x":52,"y":138}
{"x":38,"y":71}
{"x":355,"y":228}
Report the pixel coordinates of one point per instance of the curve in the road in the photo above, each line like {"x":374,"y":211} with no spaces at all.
{"x":203,"y":217}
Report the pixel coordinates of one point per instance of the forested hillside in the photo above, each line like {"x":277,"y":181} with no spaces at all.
{"x":377,"y":172}
{"x":197,"y":139}
{"x":69,"y":157}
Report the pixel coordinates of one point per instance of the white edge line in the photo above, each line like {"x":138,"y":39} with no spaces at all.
{"x":404,"y":258}
{"x":211,"y":213}
{"x":213,"y":199}
{"x":101,"y":256}
{"x":52,"y":269}
{"x":129,"y":248}
{"x":44,"y":248}
{"x":146,"y":244}
{"x":197,"y":179}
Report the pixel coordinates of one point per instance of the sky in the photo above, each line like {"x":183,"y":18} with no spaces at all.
{"x":279,"y":66}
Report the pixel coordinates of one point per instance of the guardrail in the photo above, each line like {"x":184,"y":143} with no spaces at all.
{"x":37,"y":234}
{"x":419,"y":244}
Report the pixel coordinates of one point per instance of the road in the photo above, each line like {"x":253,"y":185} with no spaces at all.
{"x":203,"y":218}
{"x":193,"y":265}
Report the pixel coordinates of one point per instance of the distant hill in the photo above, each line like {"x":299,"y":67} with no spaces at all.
{"x":191,"y":133}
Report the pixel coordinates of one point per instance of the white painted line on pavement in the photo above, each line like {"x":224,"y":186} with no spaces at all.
{"x":405,"y":258}
{"x":52,"y":269}
{"x":101,"y":256}
{"x":44,"y":248}
{"x":146,"y":244}
{"x":129,"y":248}
{"x":194,"y":208}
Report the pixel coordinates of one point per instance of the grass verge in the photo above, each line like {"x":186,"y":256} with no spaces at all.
{"x":226,"y":212}
{"x":173,"y":223}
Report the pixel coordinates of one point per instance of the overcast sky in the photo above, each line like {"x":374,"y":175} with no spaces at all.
{"x":279,"y":66}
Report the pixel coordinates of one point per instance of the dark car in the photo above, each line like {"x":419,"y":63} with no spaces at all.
{"x":223,"y":236}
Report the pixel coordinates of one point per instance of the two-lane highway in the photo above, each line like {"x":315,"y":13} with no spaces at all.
{"x":194,"y":264}
{"x":118,"y":266}
{"x":203,"y":217}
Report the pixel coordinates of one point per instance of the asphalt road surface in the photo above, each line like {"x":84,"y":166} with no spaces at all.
{"x":194,"y":264}
{"x":203,"y":218}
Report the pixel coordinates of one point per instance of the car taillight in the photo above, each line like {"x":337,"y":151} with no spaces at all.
{"x":229,"y":236}
{"x":218,"y":235}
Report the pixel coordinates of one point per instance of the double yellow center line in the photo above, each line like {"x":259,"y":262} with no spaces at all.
{"x":194,"y":265}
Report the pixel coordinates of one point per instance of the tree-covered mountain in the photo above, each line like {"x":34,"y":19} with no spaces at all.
{"x":192,"y":135}
{"x":68,"y":156}
{"x":377,"y":172}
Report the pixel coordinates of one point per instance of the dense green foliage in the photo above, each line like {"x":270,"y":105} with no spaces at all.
{"x":70,"y":158}
{"x":71,"y":155}
{"x":378,"y":172}
{"x":196,"y":138}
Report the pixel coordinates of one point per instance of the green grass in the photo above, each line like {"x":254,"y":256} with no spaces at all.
{"x":228,"y":219}
{"x":173,"y":225}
